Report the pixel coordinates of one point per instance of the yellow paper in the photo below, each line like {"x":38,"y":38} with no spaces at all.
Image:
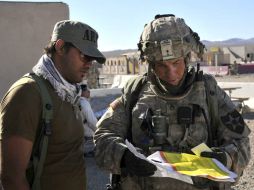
{"x":200,"y":148}
{"x":194,"y":165}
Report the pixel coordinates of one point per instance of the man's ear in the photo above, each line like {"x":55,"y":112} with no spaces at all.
{"x":59,"y":46}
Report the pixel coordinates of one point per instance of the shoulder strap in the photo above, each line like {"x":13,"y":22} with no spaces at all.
{"x":131,"y":94}
{"x":210,"y":85}
{"x":44,"y":131}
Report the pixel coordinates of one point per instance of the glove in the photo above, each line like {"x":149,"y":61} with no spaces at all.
{"x":217,"y":153}
{"x":133,"y":165}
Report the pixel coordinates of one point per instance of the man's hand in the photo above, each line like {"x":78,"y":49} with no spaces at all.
{"x":135,"y":166}
{"x":217,"y":153}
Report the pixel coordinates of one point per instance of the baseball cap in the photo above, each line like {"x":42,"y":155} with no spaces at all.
{"x":81,"y":35}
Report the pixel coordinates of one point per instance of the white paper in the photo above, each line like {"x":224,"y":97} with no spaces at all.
{"x":163,"y":169}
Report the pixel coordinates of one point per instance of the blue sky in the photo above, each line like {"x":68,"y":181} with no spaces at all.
{"x":120,"y":22}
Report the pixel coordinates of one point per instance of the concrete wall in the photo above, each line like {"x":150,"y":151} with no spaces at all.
{"x":26,"y":28}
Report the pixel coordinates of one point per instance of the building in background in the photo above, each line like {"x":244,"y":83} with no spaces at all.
{"x":217,"y":60}
{"x":92,"y":80}
{"x":26,"y":29}
{"x":228,"y":55}
{"x":234,"y":59}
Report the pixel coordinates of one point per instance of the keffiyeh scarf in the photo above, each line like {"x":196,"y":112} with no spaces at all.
{"x":66,"y":91}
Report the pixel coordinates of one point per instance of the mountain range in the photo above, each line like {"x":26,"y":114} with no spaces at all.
{"x":229,"y":42}
{"x":207,"y":43}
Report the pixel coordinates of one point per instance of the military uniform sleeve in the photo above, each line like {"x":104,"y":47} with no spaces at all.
{"x":232,"y":133}
{"x":110,"y":137}
{"x":114,"y":128}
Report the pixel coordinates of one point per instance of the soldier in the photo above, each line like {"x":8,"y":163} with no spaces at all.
{"x":189,"y":107}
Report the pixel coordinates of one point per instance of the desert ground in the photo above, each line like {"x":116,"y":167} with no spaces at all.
{"x":247,"y":180}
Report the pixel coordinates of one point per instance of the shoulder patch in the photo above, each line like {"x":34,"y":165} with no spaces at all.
{"x":234,"y":122}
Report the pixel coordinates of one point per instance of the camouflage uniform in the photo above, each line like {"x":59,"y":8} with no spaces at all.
{"x":113,"y":130}
{"x":114,"y":127}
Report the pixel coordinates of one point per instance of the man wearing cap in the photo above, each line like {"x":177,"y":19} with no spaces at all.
{"x":65,"y":63}
{"x":172,"y":109}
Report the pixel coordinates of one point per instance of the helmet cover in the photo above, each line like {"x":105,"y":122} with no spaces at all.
{"x":168,"y":37}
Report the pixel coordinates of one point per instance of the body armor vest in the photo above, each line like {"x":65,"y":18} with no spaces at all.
{"x":170,"y":124}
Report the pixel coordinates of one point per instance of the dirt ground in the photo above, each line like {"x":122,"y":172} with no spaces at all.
{"x":247,"y":180}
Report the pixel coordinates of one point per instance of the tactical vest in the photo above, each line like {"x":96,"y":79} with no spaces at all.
{"x":199,"y":103}
{"x":174,"y":124}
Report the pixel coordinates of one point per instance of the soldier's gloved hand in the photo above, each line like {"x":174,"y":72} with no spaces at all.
{"x":133,"y":165}
{"x":217,"y":153}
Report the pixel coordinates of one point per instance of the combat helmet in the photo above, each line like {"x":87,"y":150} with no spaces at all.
{"x":168,"y":37}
